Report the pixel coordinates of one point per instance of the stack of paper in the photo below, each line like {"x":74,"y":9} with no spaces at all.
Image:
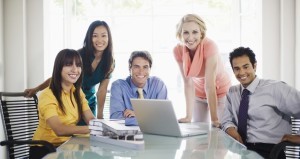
{"x":115,"y":132}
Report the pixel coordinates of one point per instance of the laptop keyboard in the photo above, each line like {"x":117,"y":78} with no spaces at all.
{"x":187,"y":126}
{"x":191,"y":129}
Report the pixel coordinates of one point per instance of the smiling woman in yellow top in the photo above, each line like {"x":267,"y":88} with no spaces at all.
{"x":62,"y":104}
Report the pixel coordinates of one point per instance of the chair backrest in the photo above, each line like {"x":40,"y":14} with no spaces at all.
{"x":291,"y":149}
{"x":20,"y":120}
{"x":293,"y":152}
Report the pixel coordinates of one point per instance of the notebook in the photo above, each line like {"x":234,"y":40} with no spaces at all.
{"x":158,"y":117}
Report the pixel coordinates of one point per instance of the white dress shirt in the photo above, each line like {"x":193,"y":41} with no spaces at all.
{"x":271,"y":104}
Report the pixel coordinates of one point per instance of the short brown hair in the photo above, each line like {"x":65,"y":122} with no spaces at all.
{"x":144,"y":54}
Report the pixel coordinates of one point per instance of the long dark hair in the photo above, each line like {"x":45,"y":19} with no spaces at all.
{"x":63,"y":58}
{"x":89,"y":49}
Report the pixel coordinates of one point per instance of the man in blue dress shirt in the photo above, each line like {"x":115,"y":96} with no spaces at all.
{"x":122,"y":90}
{"x":270,"y":107}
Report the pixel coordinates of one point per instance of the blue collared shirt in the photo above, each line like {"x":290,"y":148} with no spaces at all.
{"x":271,"y":104}
{"x":122,"y":90}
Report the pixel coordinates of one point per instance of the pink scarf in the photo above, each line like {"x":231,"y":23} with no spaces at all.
{"x":193,"y":68}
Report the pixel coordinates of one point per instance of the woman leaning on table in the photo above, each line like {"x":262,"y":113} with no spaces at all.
{"x":206,"y":81}
{"x":62,"y":104}
{"x":98,"y":64}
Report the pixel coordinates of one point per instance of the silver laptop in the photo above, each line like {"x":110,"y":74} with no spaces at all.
{"x":158,"y":117}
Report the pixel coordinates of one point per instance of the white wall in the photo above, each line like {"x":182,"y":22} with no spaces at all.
{"x":2,"y":149}
{"x":14,"y":44}
{"x":287,"y":41}
{"x":1,"y":48}
{"x":279,"y":40}
{"x":297,"y":43}
{"x":270,"y":38}
{"x":22,"y":64}
{"x":35,"y":42}
{"x":23,"y":45}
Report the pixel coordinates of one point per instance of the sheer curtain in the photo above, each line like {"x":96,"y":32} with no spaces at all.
{"x":150,"y":25}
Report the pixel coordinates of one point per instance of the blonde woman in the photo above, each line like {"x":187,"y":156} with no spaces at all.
{"x":206,"y":81}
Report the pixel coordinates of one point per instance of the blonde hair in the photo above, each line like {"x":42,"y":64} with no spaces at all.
{"x":191,"y":18}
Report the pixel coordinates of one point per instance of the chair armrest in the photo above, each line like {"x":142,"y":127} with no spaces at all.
{"x":47,"y":144}
{"x":280,"y":147}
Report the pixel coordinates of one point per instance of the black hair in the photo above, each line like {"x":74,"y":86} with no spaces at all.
{"x":88,"y":49}
{"x":242,"y":51}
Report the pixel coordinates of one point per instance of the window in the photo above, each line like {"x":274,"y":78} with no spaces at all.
{"x":150,"y":25}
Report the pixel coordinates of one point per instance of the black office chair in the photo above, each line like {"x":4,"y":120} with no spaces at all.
{"x":291,"y":150}
{"x":20,"y":120}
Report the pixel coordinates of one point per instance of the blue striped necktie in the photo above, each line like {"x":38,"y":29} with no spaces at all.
{"x":243,"y":115}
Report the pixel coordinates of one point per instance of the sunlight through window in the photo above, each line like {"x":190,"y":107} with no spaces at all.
{"x":150,"y":25}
